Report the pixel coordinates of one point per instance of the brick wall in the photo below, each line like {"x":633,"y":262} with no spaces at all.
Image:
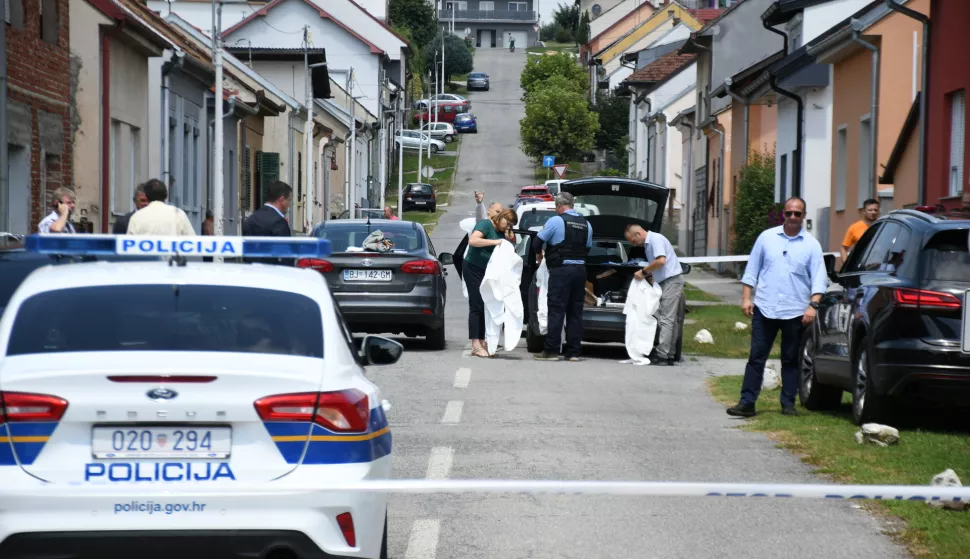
{"x":39,"y":97}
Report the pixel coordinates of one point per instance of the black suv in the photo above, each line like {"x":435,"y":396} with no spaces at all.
{"x":891,"y":329}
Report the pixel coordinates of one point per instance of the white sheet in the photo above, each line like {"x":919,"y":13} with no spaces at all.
{"x":642,"y":302}
{"x":503,"y":300}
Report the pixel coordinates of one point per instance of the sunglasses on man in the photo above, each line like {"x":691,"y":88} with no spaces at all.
{"x":789,"y":213}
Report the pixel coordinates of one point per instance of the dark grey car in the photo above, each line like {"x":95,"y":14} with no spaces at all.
{"x":478,"y":80}
{"x":401,"y":291}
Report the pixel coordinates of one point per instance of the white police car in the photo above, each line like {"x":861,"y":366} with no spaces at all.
{"x":136,"y":397}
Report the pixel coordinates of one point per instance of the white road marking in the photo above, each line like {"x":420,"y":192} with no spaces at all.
{"x":462,"y":376}
{"x":453,"y":411}
{"x":423,"y":543}
{"x":439,"y":465}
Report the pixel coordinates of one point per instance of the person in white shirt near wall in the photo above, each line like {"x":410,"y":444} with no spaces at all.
{"x":59,"y":220}
{"x":666,"y":271}
{"x":159,"y":218}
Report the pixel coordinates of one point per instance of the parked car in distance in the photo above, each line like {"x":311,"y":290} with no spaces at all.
{"x":440,"y":131}
{"x":465,"y":123}
{"x":401,"y":291}
{"x":446,"y":112}
{"x":477,"y":80}
{"x":538,"y":191}
{"x":362,"y":213}
{"x":413,"y":139}
{"x":419,"y":196}
{"x":446,"y":98}
{"x":890,"y":330}
{"x":553,"y":185}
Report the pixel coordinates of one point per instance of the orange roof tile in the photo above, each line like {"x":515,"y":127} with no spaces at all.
{"x":661,"y":68}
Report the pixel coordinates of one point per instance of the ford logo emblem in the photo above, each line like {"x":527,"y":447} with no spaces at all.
{"x":367,"y":262}
{"x":162,"y":394}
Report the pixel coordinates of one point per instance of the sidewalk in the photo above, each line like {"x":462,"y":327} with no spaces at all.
{"x":728,"y":289}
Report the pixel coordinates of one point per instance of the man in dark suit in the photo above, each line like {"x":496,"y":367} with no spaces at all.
{"x":270,"y":220}
{"x":141,"y":200}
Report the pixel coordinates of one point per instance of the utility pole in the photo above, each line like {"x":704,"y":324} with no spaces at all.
{"x":400,"y":161}
{"x":350,"y":150}
{"x":382,"y":120}
{"x":353,"y":142}
{"x":217,"y":170}
{"x":4,"y":176}
{"x":308,"y":155}
{"x":432,"y":102}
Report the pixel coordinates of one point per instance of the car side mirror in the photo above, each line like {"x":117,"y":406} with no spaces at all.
{"x":446,"y":258}
{"x":377,"y":350}
{"x":685,"y":268}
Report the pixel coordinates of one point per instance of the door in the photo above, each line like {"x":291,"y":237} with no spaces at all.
{"x":700,"y":213}
{"x":521,"y":37}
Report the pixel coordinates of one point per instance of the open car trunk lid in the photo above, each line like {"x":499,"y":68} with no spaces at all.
{"x":612,"y":203}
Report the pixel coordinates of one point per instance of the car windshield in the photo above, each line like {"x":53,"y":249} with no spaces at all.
{"x":626,"y":206}
{"x":535,"y":218}
{"x":421,"y":188}
{"x":534,"y":191}
{"x":350,"y":237}
{"x":207,"y":318}
{"x":476,"y":75}
{"x":946,"y":256}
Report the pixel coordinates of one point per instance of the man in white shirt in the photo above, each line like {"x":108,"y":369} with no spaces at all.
{"x":59,"y":220}
{"x":159,"y":218}
{"x":666,"y":271}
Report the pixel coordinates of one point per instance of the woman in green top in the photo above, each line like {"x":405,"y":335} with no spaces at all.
{"x":488,"y":234}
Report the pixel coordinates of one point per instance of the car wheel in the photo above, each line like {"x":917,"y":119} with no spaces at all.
{"x":449,"y":138}
{"x":434,"y":148}
{"x":436,"y":338}
{"x":867,"y":406}
{"x":813,"y":394}
{"x":434,"y":209}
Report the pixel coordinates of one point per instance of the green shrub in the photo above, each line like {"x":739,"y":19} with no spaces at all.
{"x":755,"y":200}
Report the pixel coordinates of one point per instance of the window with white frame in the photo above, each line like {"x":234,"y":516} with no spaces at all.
{"x":486,"y":6}
{"x":841,"y":143}
{"x":958,"y":138}
{"x":518,"y":6}
{"x":124,"y":172}
{"x":865,"y":161}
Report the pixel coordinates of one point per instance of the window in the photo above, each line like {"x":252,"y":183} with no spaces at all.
{"x":865,"y":161}
{"x":958,"y":119}
{"x":518,"y":6}
{"x":783,"y":179}
{"x":841,"y":143}
{"x":898,"y":263}
{"x":486,"y":6}
{"x":163,"y":318}
{"x":881,"y":248}
{"x":945,"y":256}
{"x":49,"y":26}
{"x":858,"y":253}
{"x":403,"y":235}
{"x":124,"y":171}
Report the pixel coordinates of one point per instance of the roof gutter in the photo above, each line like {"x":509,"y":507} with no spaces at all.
{"x":773,"y":83}
{"x":897,"y":7}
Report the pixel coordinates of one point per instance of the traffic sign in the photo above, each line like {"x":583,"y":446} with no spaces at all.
{"x":560,"y":169}
{"x":548,"y":160}
{"x":427,"y":172}
{"x":535,"y":28}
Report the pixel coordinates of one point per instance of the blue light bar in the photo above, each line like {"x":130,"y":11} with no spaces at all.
{"x":137,"y":245}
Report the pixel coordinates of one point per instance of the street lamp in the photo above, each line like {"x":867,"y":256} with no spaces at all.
{"x":217,"y":159}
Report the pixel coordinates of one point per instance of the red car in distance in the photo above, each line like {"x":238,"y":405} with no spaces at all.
{"x":538,"y":191}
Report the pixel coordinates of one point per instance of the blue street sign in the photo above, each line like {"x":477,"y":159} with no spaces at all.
{"x":548,"y":160}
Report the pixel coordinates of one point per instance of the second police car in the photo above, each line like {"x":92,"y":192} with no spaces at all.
{"x":163,"y":385}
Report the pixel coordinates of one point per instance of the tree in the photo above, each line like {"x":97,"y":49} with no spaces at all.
{"x":614,"y":115}
{"x":559,"y":82}
{"x":458,"y":57}
{"x":755,"y":200}
{"x":550,"y":65}
{"x":583,"y":31}
{"x":557,"y":122}
{"x":417,"y":16}
{"x":567,"y":17}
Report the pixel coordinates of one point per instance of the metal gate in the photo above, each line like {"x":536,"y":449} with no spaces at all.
{"x":699,"y":245}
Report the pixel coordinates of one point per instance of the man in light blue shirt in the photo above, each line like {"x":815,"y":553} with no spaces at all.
{"x":666,"y":271}
{"x":787,"y":268}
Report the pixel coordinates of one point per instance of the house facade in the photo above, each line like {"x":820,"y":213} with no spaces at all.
{"x":40,"y":129}
{"x":491,"y":23}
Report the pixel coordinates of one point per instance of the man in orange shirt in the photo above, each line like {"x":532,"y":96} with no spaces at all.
{"x":870,"y":213}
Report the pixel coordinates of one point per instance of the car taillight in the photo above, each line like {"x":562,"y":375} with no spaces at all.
{"x":315,"y":264}
{"x":22,"y":407}
{"x":421,"y":267}
{"x":344,"y":411}
{"x":923,"y":298}
{"x":346,"y":522}
{"x":433,"y":197}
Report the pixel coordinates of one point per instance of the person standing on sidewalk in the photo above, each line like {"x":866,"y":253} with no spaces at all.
{"x":870,"y":213}
{"x":787,"y":268}
{"x":159,"y":218}
{"x":666,"y":271}
{"x":568,"y":238}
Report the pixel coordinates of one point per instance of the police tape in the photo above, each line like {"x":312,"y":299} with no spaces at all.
{"x":227,"y":489}
{"x":719,"y":259}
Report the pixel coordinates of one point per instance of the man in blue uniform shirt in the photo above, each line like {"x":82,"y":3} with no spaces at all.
{"x":787,"y":268}
{"x":568,"y":238}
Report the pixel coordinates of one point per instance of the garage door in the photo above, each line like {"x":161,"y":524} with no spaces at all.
{"x":521,"y":37}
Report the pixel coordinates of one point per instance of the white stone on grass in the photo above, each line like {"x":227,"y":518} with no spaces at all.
{"x":948,"y":478}
{"x":772,"y":379}
{"x":704,"y":337}
{"x":740,"y":326}
{"x":879,"y":435}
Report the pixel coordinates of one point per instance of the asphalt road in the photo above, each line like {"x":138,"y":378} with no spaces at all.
{"x":456,"y":416}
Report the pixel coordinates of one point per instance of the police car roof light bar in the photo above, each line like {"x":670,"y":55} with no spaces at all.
{"x":225,"y":246}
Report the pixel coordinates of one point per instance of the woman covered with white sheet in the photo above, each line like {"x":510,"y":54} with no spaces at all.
{"x":487,"y":234}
